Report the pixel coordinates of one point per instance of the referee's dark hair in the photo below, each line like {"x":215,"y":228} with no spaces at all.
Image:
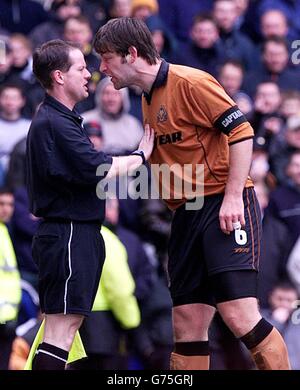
{"x":52,"y":55}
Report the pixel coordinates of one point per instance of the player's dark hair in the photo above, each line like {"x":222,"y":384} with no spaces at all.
{"x":119,"y":34}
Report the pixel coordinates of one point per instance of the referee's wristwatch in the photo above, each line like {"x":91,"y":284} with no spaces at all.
{"x":139,"y":153}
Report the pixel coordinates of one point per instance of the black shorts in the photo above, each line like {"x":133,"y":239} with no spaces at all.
{"x":70,"y":256}
{"x":198,"y":249}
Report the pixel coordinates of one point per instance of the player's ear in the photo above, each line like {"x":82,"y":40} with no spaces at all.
{"x":132,"y":54}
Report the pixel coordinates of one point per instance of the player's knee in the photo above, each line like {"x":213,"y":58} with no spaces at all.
{"x":240,"y":315}
{"x":191,"y":322}
{"x":235,"y":322}
{"x":235,"y":293}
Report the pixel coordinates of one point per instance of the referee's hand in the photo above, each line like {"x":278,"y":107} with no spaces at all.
{"x":147,"y":142}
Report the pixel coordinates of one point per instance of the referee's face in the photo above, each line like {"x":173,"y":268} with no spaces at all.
{"x":77,"y":77}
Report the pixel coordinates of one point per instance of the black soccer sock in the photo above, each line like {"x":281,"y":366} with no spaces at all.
{"x":260,"y":331}
{"x":193,"y":355}
{"x":267,"y":347}
{"x":192,"y":348}
{"x":49,"y":357}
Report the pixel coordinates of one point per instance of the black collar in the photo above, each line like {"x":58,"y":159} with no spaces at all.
{"x":51,"y":101}
{"x":161,"y":79}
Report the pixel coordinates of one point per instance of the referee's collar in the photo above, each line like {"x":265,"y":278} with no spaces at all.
{"x":161,"y":79}
{"x":61,"y":107}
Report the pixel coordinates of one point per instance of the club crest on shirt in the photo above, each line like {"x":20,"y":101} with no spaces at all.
{"x":162,"y":114}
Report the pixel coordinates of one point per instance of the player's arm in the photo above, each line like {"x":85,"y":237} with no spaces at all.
{"x":232,"y":209}
{"x":125,"y":164}
{"x":218,"y":109}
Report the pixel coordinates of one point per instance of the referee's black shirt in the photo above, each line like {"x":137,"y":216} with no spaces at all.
{"x":61,"y":166}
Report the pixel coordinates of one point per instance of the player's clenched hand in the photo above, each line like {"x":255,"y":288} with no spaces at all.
{"x":147,"y":142}
{"x":232,"y":211}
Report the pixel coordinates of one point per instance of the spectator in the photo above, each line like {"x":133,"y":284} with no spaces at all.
{"x":142,"y":9}
{"x":25,"y":335}
{"x":13,"y":127}
{"x":119,"y":8}
{"x":293,"y":265}
{"x":259,"y":171}
{"x":30,"y":303}
{"x":241,"y":9}
{"x":53,"y":28}
{"x":288,"y":8}
{"x":274,"y":67}
{"x":21,"y":15}
{"x":290,"y":105}
{"x":2,"y":175}
{"x":129,"y":208}
{"x":138,"y":261}
{"x":5,"y":62}
{"x":274,"y":23}
{"x":203,"y":50}
{"x":266,"y":120}
{"x":231,"y":76}
{"x":156,"y":219}
{"x":283,"y":148}
{"x":24,"y":226}
{"x":95,"y":134}
{"x":235,"y":44}
{"x":283,"y":302}
{"x":164,"y":40}
{"x":275,"y":249}
{"x":152,"y":341}
{"x":96,"y":11}
{"x":285,"y":199}
{"x":179,"y":17}
{"x":16,"y":174}
{"x":112,"y":107}
{"x":21,"y":72}
{"x":10,"y":287}
{"x":21,"y":58}
{"x":78,"y":30}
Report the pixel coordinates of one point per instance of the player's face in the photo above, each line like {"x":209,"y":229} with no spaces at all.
{"x":115,"y":66}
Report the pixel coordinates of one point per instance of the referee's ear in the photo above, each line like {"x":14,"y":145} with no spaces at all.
{"x":58,"y":77}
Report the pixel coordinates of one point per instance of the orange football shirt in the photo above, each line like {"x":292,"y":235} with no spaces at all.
{"x":195,"y":122}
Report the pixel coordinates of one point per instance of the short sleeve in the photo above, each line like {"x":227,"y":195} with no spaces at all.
{"x":211,"y":107}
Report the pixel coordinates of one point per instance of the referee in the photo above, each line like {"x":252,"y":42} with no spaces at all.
{"x":61,"y":176}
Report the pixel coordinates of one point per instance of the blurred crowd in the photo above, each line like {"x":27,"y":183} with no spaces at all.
{"x":253,"y":50}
